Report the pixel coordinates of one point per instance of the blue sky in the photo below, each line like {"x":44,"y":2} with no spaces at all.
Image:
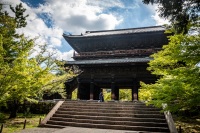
{"x":49,"y":19}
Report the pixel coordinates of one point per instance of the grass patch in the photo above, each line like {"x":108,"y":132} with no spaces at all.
{"x":16,"y":124}
{"x":188,"y":125}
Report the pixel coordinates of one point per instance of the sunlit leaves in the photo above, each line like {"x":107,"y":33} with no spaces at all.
{"x":23,"y":76}
{"x":179,"y":81}
{"x":183,"y":14}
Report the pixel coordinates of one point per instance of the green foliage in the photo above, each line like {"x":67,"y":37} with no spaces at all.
{"x":181,"y":13}
{"x":74,"y":94}
{"x":2,"y":117}
{"x":125,"y":94}
{"x":16,"y":124}
{"x":22,"y":76}
{"x":107,"y":94}
{"x":20,"y":19}
{"x":145,"y":94}
{"x":179,"y":81}
{"x":177,"y":64}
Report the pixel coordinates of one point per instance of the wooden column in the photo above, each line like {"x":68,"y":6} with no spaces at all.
{"x":69,"y":95}
{"x":96,"y":92}
{"x":116,"y":93}
{"x":113,"y":91}
{"x":135,"y":92}
{"x":91,"y":90}
{"x":68,"y":91}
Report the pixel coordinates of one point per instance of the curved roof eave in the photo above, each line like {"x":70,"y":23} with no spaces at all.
{"x":118,"y":32}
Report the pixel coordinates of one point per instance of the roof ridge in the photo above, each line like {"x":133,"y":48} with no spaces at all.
{"x":124,"y":29}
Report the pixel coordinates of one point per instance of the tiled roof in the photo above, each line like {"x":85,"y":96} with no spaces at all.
{"x":124,"y":31}
{"x":120,"y":31}
{"x":109,"y":61}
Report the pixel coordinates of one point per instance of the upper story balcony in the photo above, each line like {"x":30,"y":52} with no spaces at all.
{"x":115,"y":54}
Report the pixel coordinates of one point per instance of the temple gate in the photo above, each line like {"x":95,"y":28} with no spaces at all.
{"x":113,"y":59}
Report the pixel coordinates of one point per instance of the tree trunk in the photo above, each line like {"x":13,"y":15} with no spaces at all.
{"x":13,"y":109}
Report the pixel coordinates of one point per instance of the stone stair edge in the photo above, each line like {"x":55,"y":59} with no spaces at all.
{"x":52,"y":126}
{"x":101,"y":113}
{"x":106,"y":117}
{"x":109,"y":115}
{"x":107,"y":121}
{"x":116,"y":106}
{"x":105,"y":103}
{"x":110,"y":110}
{"x":124,"y":103}
{"x":121,"y":127}
{"x":102,"y":105}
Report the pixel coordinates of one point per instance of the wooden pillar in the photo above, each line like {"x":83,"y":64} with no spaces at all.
{"x":69,"y":95}
{"x":91,"y":90}
{"x":113,"y":91}
{"x":68,"y":91}
{"x":116,"y":93}
{"x":135,"y":92}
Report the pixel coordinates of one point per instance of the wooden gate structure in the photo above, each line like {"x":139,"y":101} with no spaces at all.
{"x":113,"y":59}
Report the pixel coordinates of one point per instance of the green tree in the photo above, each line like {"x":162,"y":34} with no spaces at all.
{"x":107,"y":94}
{"x":20,"y":19}
{"x":176,"y":65}
{"x":23,"y":77}
{"x":74,"y":94}
{"x":182,"y":13}
{"x":125,"y":94}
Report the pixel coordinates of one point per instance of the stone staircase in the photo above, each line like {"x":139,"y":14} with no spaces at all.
{"x":133,"y":116}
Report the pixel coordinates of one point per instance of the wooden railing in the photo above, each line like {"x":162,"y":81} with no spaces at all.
{"x":50,"y":114}
{"x":117,"y":52}
{"x":169,"y":120}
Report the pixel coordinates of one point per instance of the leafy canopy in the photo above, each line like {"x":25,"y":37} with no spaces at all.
{"x":22,"y":76}
{"x":176,"y":65}
{"x":181,"y":13}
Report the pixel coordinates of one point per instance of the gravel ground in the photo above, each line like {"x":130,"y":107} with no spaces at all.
{"x":73,"y":130}
{"x":38,"y":130}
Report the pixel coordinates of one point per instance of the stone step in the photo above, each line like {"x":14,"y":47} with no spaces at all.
{"x":135,"y":111}
{"x":105,"y":104}
{"x":52,"y":126}
{"x":95,"y":121}
{"x":109,"y":107}
{"x":159,"y":120}
{"x":111,"y":101}
{"x":106,"y":126}
{"x":111,"y":114}
{"x":133,"y":116}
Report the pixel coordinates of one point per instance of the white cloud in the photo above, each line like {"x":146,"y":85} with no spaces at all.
{"x":62,"y":55}
{"x":75,"y":16}
{"x":55,"y":41}
{"x":80,"y":15}
{"x":67,"y":55}
{"x":159,"y":20}
{"x":106,"y":3}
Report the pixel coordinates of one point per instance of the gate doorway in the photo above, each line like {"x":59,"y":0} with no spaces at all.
{"x":125,"y":94}
{"x":106,"y":94}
